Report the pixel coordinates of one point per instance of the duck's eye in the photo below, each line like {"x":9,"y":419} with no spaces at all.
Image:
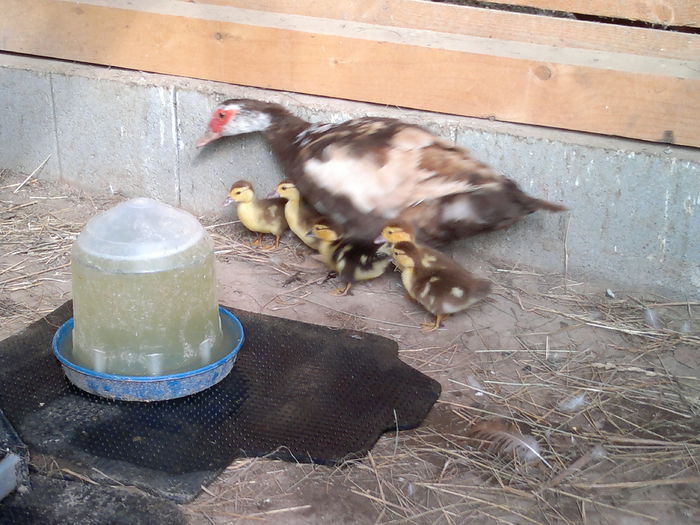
{"x":221,"y":114}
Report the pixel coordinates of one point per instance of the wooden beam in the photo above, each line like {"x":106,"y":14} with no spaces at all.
{"x":488,"y":23}
{"x":630,"y":102}
{"x":663,"y":12}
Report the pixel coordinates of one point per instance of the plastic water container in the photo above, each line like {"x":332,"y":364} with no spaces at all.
{"x":144,"y":292}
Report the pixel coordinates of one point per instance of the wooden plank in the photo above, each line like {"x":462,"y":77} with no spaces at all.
{"x":488,"y":23}
{"x":663,"y":12}
{"x":636,"y":105}
{"x":599,"y":59}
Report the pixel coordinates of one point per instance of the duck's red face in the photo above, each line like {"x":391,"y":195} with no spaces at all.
{"x":218,"y":122}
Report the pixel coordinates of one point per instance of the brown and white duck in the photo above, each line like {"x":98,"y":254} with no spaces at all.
{"x":368,"y":170}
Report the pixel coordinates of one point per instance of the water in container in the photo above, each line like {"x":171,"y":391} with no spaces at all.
{"x":144,"y":292}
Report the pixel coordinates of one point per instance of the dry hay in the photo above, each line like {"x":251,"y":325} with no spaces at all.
{"x":616,"y":438}
{"x":35,"y":240}
{"x":616,"y":422}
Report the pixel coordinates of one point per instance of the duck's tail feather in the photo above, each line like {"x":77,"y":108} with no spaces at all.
{"x":540,"y":204}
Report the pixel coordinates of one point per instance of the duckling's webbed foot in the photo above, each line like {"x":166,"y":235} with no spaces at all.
{"x":343,"y":290}
{"x":431,"y":327}
{"x":272,"y":246}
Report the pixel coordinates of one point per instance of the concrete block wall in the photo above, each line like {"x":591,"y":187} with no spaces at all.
{"x":635,"y":207}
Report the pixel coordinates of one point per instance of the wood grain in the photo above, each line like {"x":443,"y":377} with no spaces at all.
{"x":644,"y":106}
{"x":664,"y":12}
{"x":488,"y":23}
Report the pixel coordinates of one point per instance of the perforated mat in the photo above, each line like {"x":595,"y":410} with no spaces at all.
{"x":298,"y":392}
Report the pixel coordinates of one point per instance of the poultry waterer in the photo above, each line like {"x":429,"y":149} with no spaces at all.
{"x":147,"y":325}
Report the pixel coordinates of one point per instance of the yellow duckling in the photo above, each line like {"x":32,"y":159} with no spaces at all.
{"x":398,"y":230}
{"x":440,"y":290}
{"x":353,"y":262}
{"x":300,"y":216}
{"x":258,"y":215}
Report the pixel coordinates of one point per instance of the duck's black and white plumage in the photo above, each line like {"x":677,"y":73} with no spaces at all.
{"x":366,"y":171}
{"x":353,"y":261}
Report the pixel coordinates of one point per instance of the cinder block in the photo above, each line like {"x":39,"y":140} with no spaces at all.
{"x":631,"y":219}
{"x":634,"y":217}
{"x":27,"y":127}
{"x":117,"y":136}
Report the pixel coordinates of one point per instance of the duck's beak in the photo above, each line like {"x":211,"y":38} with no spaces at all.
{"x":273,"y":195}
{"x":310,"y":233}
{"x":208,"y":137}
{"x":380,"y":239}
{"x":228,"y":201}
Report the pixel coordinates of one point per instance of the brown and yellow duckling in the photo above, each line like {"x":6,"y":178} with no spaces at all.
{"x":442,"y":288}
{"x":398,"y":230}
{"x":300,"y":216}
{"x":352,"y":261}
{"x":258,"y":215}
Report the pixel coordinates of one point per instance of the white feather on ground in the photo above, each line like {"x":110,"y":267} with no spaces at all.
{"x":504,"y":439}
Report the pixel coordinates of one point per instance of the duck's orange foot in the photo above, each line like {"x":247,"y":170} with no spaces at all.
{"x":431,"y":327}
{"x":343,"y":290}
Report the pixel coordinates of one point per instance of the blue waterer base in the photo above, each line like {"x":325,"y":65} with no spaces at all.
{"x":158,"y":388}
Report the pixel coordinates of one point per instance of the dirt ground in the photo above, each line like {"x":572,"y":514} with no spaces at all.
{"x":563,"y":401}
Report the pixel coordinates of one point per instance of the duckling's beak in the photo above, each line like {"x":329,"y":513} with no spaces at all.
{"x":380,"y":239}
{"x":310,"y":233}
{"x":384,"y":249}
{"x":228,"y":201}
{"x":208,"y":137}
{"x":273,"y":195}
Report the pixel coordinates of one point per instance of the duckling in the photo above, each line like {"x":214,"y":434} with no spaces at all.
{"x":300,"y":216}
{"x":352,"y":261}
{"x":258,"y":215}
{"x":440,"y":290}
{"x":399,"y":230}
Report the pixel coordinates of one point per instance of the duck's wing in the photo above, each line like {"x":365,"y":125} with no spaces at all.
{"x":375,"y":168}
{"x":273,"y":210}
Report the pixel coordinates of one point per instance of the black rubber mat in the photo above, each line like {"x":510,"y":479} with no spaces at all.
{"x":53,"y":501}
{"x":298,"y":392}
